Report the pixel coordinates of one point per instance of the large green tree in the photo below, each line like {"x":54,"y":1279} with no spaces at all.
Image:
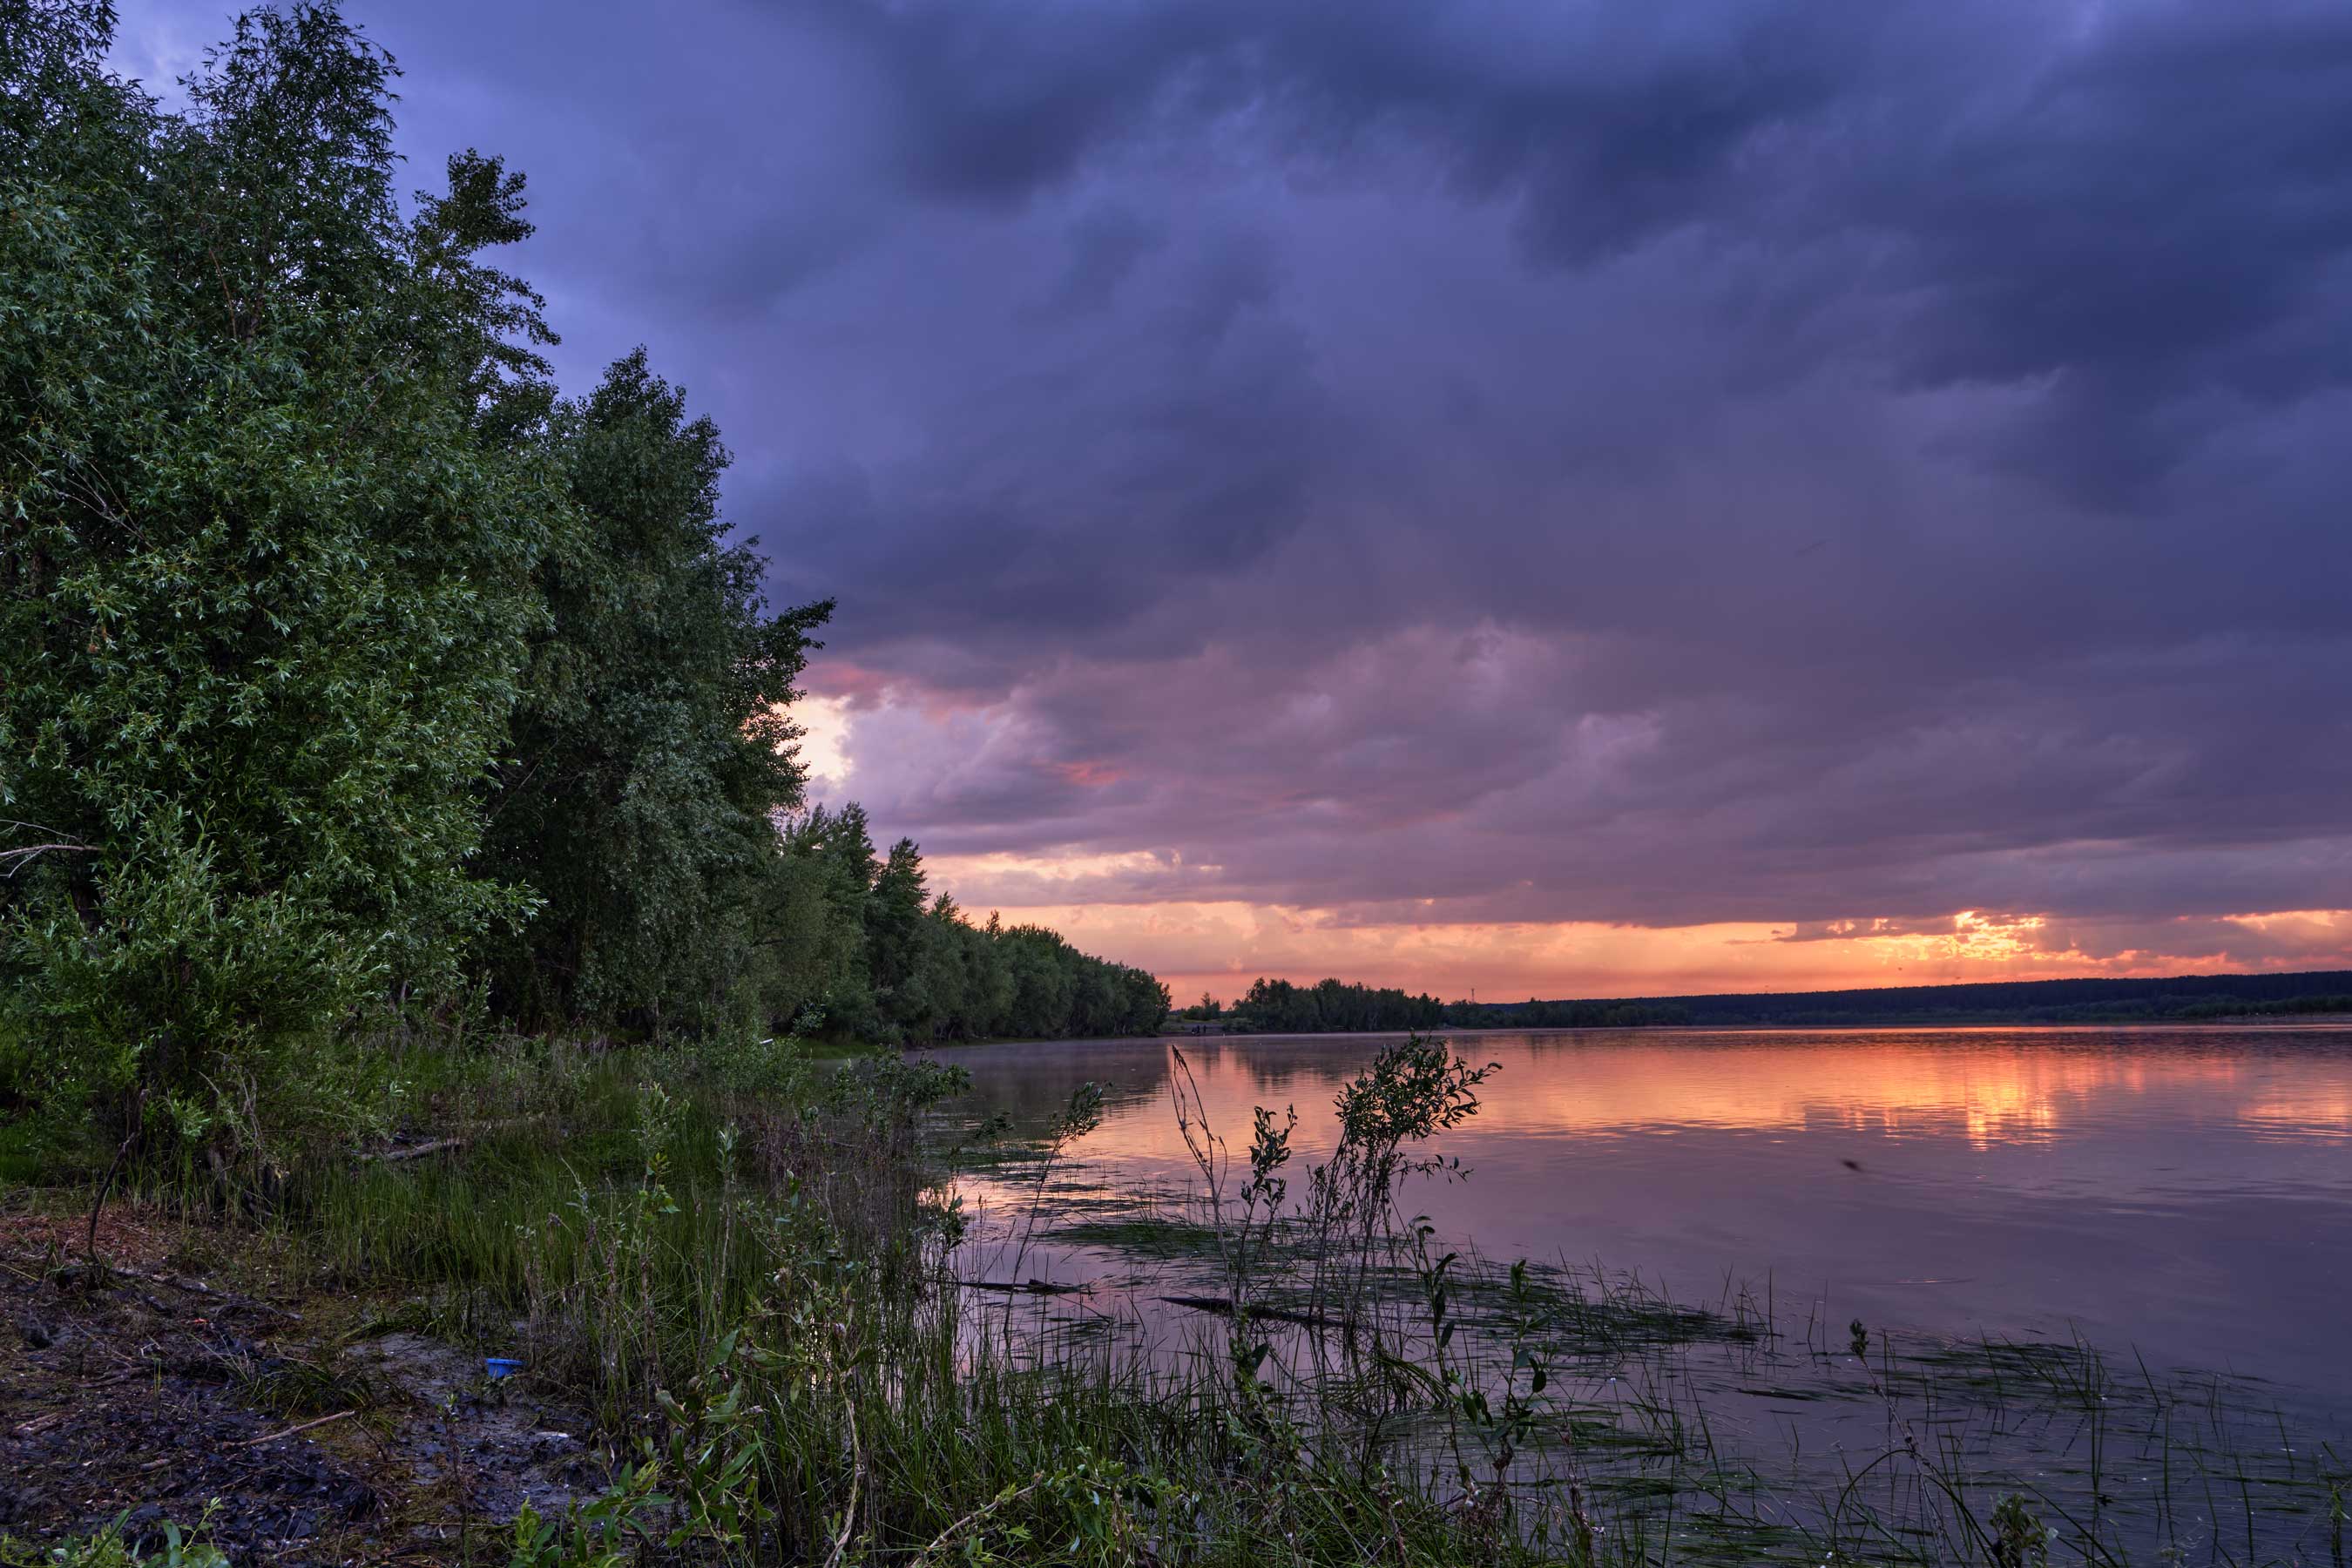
{"x":811,"y":923}
{"x":901,"y":944}
{"x":272,"y":487}
{"x":652,"y":754}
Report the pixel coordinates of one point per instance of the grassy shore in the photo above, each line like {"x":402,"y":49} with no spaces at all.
{"x":731,"y":1283}
{"x":740,"y":1272}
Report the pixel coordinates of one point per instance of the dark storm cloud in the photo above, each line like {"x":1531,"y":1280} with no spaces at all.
{"x":1767,"y":460}
{"x":2138,"y":202}
{"x":1615,"y":123}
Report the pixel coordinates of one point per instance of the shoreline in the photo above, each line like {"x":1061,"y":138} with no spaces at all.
{"x":643,"y":1243}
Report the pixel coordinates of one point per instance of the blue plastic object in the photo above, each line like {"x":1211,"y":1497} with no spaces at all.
{"x":499,"y":1366}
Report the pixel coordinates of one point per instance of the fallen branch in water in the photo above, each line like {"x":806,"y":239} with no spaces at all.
{"x":1028,"y":1287}
{"x":1222,"y":1306}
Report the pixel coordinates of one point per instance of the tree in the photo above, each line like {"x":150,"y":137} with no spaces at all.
{"x":270,"y":499}
{"x":856,"y":942}
{"x":344,"y":666}
{"x":811,"y":927}
{"x":902,"y":948}
{"x":651,"y":752}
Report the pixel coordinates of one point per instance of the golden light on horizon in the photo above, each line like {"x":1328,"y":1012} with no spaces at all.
{"x":1220,"y":946}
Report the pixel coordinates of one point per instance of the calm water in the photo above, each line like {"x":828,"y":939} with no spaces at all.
{"x":2183,"y":1192}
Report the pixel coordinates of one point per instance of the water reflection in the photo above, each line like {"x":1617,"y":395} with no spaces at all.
{"x":2185,"y":1191}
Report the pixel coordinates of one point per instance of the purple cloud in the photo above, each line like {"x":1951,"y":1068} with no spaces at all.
{"x":1767,"y":462}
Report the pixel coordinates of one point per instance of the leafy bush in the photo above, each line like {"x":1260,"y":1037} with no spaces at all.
{"x":266,"y":517}
{"x":109,"y":1549}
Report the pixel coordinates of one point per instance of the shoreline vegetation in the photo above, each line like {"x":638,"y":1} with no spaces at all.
{"x":581,"y":1304}
{"x":1335,"y":1006}
{"x":413,"y":932}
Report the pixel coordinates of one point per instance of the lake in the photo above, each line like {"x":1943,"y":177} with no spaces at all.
{"x":2176,"y":1196}
{"x":2186,"y":1191}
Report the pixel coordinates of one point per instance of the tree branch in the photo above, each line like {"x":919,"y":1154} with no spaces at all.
{"x":23,"y":855}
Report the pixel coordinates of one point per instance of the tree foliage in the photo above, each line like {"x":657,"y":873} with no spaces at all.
{"x":269,"y":502}
{"x":1331,"y":1006}
{"x":1334,"y":1007}
{"x":345,"y":667}
{"x":873,"y":954}
{"x":651,"y":750}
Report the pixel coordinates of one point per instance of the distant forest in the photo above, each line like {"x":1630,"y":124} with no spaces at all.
{"x":1333,"y":1006}
{"x":860,"y":940}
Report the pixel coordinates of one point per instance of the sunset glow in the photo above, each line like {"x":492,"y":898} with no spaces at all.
{"x":1723,"y":555}
{"x":1219,"y":947}
{"x":1212,"y":855}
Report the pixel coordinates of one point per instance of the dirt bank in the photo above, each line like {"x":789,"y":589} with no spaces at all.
{"x":317,"y":1428}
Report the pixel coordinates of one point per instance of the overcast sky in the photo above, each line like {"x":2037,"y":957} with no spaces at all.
{"x":1559,"y":497}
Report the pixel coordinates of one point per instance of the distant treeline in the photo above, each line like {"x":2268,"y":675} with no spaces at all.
{"x":861,"y":941}
{"x":1333,"y":1006}
{"x":2183,"y":997}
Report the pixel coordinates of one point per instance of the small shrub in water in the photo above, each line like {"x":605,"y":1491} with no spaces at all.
{"x":2019,"y":1540}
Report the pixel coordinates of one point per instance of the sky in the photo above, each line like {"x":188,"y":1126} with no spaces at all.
{"x":1546,"y":497}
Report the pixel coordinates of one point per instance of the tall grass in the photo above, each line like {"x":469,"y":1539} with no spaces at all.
{"x":744,"y":1265}
{"x":750,"y":1285}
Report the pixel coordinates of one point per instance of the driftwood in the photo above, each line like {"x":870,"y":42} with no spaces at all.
{"x":1023,"y":1287}
{"x":98,"y":1273}
{"x":39,"y":1423}
{"x":436,"y":1145}
{"x":1222,"y":1306}
{"x":415,"y":1151}
{"x":302,"y":1427}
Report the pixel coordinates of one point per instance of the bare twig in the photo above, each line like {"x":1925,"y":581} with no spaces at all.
{"x":974,"y":1517}
{"x":255,"y":1442}
{"x":856,"y":1475}
{"x":288,"y":1431}
{"x":17,"y":859}
{"x":105,"y":1185}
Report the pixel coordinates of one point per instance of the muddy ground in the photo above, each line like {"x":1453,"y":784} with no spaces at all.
{"x":317,"y":1429}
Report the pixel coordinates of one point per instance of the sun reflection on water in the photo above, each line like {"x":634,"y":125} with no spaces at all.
{"x":2010,"y":1088}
